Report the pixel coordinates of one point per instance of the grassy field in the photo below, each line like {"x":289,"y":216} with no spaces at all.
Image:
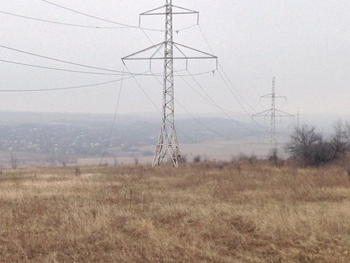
{"x":208,"y":212}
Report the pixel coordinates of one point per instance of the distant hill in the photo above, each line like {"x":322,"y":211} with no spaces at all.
{"x":64,"y":137}
{"x":88,"y":134}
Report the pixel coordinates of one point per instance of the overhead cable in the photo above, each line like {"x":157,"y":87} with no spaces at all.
{"x":88,"y":26}
{"x":215,"y":104}
{"x":58,"y":60}
{"x":114,"y":118}
{"x":143,"y":90}
{"x":228,"y":80}
{"x":60,"y":23}
{"x":99,"y":18}
{"x":209,"y":129}
{"x":210,"y":99}
{"x":58,"y":89}
{"x":91,"y":72}
{"x":239,"y":124}
{"x":58,"y":69}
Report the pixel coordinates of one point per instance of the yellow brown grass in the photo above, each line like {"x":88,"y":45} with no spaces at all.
{"x":213,"y":212}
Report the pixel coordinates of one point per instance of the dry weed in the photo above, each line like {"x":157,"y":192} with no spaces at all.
{"x":209,"y":212}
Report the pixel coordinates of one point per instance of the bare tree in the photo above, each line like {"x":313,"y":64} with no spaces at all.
{"x":302,"y":141}
{"x":346,"y":133}
{"x":310,"y":148}
{"x":339,"y":140}
{"x":197,"y":158}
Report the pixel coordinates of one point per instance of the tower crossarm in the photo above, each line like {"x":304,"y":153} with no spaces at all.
{"x":157,"y":11}
{"x":284,"y":114}
{"x":180,"y":47}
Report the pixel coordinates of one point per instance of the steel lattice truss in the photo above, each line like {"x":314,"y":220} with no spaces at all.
{"x":167,"y":141}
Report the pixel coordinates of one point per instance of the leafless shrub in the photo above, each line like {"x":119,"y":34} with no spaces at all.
{"x":251,"y":159}
{"x":311,"y":149}
{"x":197,"y":158}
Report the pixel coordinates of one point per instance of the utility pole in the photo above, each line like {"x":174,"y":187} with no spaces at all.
{"x":167,"y":141}
{"x":272,"y":112}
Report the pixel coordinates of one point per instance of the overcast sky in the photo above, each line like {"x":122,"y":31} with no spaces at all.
{"x":304,"y":44}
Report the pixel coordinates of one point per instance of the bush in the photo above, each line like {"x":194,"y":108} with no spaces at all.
{"x":197,"y":158}
{"x":251,"y":159}
{"x":311,"y":149}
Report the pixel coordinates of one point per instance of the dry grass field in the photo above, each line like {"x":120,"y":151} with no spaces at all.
{"x":208,"y":212}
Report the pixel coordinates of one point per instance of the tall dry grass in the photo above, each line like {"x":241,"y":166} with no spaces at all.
{"x":212,"y":212}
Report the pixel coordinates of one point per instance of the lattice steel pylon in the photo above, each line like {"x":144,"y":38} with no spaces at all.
{"x":167,"y":141}
{"x":273,"y":111}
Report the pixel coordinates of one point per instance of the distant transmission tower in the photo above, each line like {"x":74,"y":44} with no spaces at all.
{"x":167,"y":141}
{"x":273,"y":112}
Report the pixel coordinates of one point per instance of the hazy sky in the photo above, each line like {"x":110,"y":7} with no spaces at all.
{"x":304,"y":44}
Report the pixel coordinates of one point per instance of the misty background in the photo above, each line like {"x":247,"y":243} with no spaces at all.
{"x":303,"y":44}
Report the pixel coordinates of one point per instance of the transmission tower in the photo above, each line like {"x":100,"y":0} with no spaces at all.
{"x":273,"y":112}
{"x":167,"y":141}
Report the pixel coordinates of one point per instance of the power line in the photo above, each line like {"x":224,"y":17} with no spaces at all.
{"x":216,"y":105}
{"x":87,"y":15}
{"x":143,"y":90}
{"x":210,"y":99}
{"x":206,"y":40}
{"x":219,"y":74}
{"x":228,"y":80}
{"x":58,"y":69}
{"x":191,"y":114}
{"x":99,"y":18}
{"x":116,"y":110}
{"x":58,"y":60}
{"x":239,"y":102}
{"x":177,"y":31}
{"x":90,"y":72}
{"x":209,"y":129}
{"x":215,"y":132}
{"x":202,"y":96}
{"x":59,"y":23}
{"x":226,"y":83}
{"x":180,"y":106}
{"x":87,"y":26}
{"x":58,"y":89}
{"x":224,"y":80}
{"x":114,"y":118}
